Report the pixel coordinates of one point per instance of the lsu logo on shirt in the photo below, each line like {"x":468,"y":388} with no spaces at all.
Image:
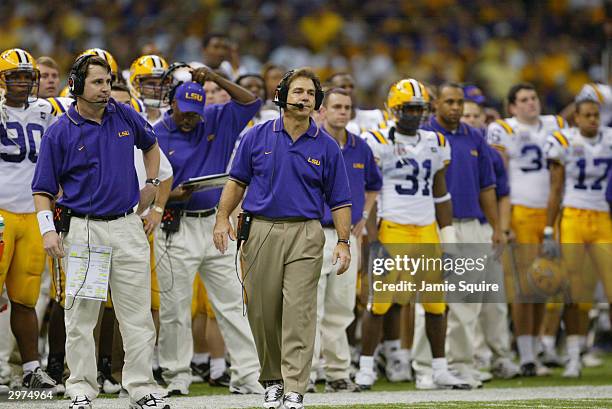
{"x":124,"y":133}
{"x":358,"y":165}
{"x":194,"y":96}
{"x":315,"y":162}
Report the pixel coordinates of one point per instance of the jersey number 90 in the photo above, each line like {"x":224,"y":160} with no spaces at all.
{"x":31,"y":132}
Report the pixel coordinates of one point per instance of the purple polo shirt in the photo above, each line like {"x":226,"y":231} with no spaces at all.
{"x":205,"y":150}
{"x":470,"y":169}
{"x":363,"y":175}
{"x":93,"y":163}
{"x":290,"y":179}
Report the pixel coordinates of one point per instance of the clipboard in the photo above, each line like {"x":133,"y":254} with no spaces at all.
{"x":204,"y":183}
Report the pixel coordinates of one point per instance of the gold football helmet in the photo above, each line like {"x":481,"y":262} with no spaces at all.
{"x":407,"y":94}
{"x":19,"y":76}
{"x":106,"y":56}
{"x":146,"y":79}
{"x":547,"y":276}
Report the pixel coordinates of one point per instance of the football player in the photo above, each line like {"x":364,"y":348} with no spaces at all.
{"x":23,"y":121}
{"x":146,"y":84}
{"x":412,"y":204}
{"x":521,"y":140}
{"x":580,"y":162}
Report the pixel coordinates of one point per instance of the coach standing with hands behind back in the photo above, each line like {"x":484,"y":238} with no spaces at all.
{"x":89,"y":154}
{"x":291,"y":168}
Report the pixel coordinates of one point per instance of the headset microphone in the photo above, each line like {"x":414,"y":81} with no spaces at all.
{"x":102,"y":101}
{"x":284,"y":104}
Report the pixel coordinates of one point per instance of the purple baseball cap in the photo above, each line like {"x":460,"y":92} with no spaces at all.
{"x":474,"y":94}
{"x":190,"y":97}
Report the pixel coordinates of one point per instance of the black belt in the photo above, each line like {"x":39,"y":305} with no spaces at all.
{"x":107,"y":218}
{"x":282,"y":219}
{"x":201,"y":213}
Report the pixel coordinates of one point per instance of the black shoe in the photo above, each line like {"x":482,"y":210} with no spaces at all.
{"x":157,"y":374}
{"x":106,"y":382}
{"x":528,"y":369}
{"x":223,"y":380}
{"x":202,"y":370}
{"x":38,"y":380}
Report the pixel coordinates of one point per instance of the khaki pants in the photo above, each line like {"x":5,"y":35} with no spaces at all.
{"x":130,"y":282}
{"x":282,"y":265}
{"x":335,"y":305}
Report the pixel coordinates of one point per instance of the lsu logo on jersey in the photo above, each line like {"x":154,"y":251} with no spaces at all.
{"x":124,"y":133}
{"x":315,"y":162}
{"x":194,"y":96}
{"x":210,"y":137}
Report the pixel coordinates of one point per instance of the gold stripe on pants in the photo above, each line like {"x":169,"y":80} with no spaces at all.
{"x":281,"y":267}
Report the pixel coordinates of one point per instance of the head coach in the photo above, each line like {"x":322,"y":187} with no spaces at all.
{"x":292,"y":168}
{"x":89,"y":154}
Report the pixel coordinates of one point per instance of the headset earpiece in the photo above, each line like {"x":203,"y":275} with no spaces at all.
{"x":76,"y":79}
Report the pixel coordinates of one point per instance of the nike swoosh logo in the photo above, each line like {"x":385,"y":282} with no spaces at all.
{"x":170,"y":153}
{"x":81,"y":147}
{"x":267,"y":153}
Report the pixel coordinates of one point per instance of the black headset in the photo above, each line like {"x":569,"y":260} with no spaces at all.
{"x":76,"y":79}
{"x":282,"y":91}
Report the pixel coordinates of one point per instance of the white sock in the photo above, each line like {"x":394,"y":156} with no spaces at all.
{"x":525,"y":345}
{"x":406,"y":354}
{"x":366,"y":363}
{"x":439,"y":365}
{"x":573,"y":346}
{"x":30,"y":366}
{"x":200,"y":358}
{"x":548,"y":341}
{"x":217,"y":367}
{"x":391,"y":347}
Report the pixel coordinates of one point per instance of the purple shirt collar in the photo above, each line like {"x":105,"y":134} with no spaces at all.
{"x":77,"y":119}
{"x":313,"y":129}
{"x":436,"y":126}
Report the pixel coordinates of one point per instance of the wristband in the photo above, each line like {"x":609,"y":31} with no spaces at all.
{"x":365,"y":215}
{"x":442,"y":199}
{"x":158,"y":209}
{"x":45,"y":221}
{"x":548,"y":231}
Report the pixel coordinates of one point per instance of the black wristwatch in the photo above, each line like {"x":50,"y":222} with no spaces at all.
{"x":154,"y":182}
{"x":347,"y":241}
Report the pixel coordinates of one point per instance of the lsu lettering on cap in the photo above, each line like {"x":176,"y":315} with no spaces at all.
{"x":190,"y":97}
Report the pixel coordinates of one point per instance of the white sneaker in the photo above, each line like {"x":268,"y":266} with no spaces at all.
{"x":551,"y":358}
{"x":398,"y":370}
{"x":425,"y":382}
{"x":151,"y":401}
{"x":60,"y":389}
{"x":573,"y":369}
{"x":293,"y":400}
{"x":446,"y":380}
{"x":247,"y":389}
{"x":591,"y":360}
{"x":484,"y":376}
{"x":177,"y":388}
{"x":4,"y":390}
{"x":504,"y":368}
{"x":365,"y":379}
{"x":273,"y":396}
{"x":80,"y":402}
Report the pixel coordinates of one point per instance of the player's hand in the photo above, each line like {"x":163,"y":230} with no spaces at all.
{"x":152,"y":220}
{"x":357,"y":230}
{"x":147,"y":196}
{"x":53,"y":245}
{"x":203,"y":74}
{"x":181,"y":193}
{"x":550,"y":247}
{"x":222,"y":230}
{"x":342,"y":253}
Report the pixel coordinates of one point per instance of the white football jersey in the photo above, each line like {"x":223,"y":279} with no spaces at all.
{"x":587,"y":162}
{"x":524,"y":146}
{"x":601,"y":93}
{"x":20,"y":141}
{"x":408,"y":165}
{"x":366,"y":119}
